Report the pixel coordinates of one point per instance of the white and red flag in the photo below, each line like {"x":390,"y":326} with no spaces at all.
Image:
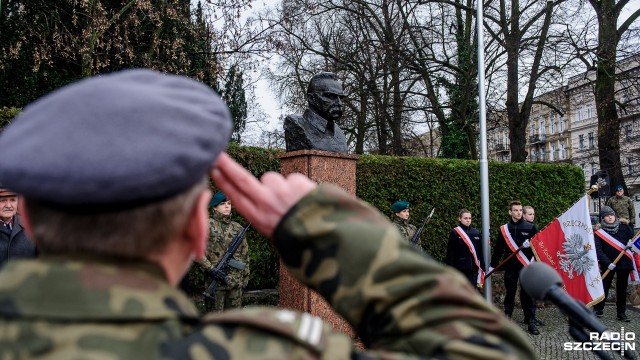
{"x":567,"y":245}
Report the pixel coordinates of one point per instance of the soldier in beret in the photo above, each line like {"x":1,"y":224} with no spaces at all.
{"x":222,"y":231}
{"x":400,"y":214}
{"x":14,"y":243}
{"x":112,"y":170}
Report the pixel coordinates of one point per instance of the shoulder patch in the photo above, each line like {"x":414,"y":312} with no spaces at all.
{"x":303,"y":328}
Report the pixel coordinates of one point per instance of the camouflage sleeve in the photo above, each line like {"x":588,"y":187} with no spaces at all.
{"x":395,"y":298}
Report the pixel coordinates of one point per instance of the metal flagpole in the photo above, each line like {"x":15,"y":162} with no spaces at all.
{"x":484,"y":165}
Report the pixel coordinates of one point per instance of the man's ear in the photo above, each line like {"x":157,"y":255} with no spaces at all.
{"x":197,"y":230}
{"x":25,"y":220}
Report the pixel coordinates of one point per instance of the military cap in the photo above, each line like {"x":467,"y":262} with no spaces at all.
{"x":619,"y":187}
{"x":217,"y":199}
{"x":399,"y":206}
{"x":115,"y":141}
{"x":606,"y":210}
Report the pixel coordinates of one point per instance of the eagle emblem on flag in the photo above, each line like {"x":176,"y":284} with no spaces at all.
{"x":574,"y":259}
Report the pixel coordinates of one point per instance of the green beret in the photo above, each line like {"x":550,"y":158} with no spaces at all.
{"x":399,"y":206}
{"x":217,"y":199}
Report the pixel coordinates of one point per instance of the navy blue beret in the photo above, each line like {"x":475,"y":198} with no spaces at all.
{"x":217,"y":199}
{"x":123,"y":139}
{"x":399,"y":206}
{"x":619,"y":187}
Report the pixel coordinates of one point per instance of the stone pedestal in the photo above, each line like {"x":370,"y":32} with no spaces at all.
{"x":321,"y":167}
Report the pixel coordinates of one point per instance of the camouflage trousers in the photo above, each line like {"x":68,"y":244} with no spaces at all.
{"x":225,"y":299}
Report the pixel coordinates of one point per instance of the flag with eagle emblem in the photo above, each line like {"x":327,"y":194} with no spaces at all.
{"x":567,"y":245}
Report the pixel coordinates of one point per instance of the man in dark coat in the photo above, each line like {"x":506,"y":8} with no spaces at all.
{"x":511,"y":236}
{"x":14,"y":242}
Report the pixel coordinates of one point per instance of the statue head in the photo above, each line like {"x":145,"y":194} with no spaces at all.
{"x":325,"y":94}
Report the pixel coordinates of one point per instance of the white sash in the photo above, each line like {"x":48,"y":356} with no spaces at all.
{"x":472,"y":249}
{"x":513,"y":246}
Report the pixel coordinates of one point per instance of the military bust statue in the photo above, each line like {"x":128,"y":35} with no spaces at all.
{"x":316,"y":128}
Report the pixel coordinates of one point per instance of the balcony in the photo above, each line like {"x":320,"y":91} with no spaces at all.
{"x":501,"y":148}
{"x":538,"y":138}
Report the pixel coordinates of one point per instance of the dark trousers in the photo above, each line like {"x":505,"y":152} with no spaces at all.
{"x":471,"y":275}
{"x":527,"y":302}
{"x":622,"y":280}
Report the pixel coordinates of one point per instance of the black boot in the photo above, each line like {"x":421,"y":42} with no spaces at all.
{"x":623,"y":317}
{"x":533,"y":328}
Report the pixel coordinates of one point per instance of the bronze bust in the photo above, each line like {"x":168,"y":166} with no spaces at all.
{"x":316,"y":128}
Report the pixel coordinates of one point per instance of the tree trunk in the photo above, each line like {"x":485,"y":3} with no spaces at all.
{"x":608,"y":121}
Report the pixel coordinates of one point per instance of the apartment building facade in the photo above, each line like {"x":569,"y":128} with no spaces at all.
{"x":563,"y":127}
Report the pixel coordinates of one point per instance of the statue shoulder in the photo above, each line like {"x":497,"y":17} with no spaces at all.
{"x":293,"y":120}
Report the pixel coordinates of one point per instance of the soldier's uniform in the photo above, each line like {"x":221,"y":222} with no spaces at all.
{"x":222,"y":230}
{"x":623,"y":206}
{"x":406,"y":229}
{"x":90,"y":306}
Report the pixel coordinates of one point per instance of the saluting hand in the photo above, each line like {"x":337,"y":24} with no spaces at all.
{"x":262,"y":202}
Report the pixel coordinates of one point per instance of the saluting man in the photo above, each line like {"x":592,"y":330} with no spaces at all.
{"x":511,"y":236}
{"x":222,"y":230}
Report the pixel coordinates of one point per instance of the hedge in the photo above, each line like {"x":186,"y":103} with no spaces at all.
{"x":451,"y":184}
{"x":446,"y":184}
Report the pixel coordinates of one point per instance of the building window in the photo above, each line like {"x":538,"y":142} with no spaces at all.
{"x":589,"y":111}
{"x":563,"y":155}
{"x":591,"y":140}
{"x":579,"y":113}
{"x":542,"y":128}
{"x":534,"y":155}
{"x":583,"y":166}
{"x":542,"y":154}
{"x":552,"y":153}
{"x":581,"y":141}
{"x":533,"y":130}
{"x":593,"y":168}
{"x":628,"y":130}
{"x":630,"y":166}
{"x":552,"y":128}
{"x":561,"y":125}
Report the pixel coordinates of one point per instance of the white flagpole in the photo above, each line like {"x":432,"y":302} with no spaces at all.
{"x":484,"y":164}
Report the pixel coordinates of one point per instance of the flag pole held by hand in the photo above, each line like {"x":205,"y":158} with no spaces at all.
{"x":503,"y":262}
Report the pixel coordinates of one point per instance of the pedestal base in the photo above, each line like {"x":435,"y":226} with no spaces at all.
{"x":321,"y":167}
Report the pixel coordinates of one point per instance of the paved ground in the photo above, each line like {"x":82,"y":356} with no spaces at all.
{"x":550,"y":342}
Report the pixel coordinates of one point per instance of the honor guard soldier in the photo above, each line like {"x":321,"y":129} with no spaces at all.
{"x":113,"y":173}
{"x":222,"y":231}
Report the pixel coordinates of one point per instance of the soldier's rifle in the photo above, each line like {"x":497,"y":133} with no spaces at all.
{"x":218,"y":272}
{"x":416,"y":236}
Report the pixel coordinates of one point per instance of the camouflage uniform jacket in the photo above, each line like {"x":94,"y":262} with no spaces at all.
{"x":406,"y":229}
{"x":64,"y":308}
{"x":623,"y":206}
{"x":221,"y":232}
